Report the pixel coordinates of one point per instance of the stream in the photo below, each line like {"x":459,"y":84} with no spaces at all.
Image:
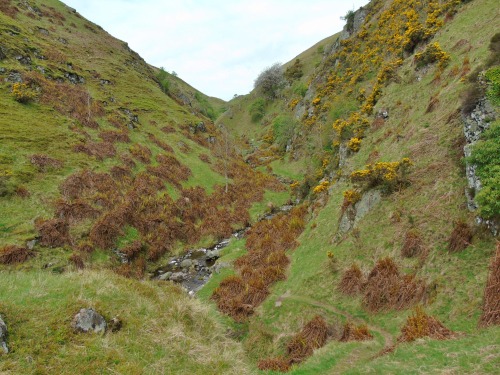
{"x":193,"y":269}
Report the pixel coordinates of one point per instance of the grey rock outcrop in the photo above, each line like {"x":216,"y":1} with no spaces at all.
{"x":3,"y":336}
{"x":353,"y":214}
{"x":89,"y":320}
{"x":474,"y":125}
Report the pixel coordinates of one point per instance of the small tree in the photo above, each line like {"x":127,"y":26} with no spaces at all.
{"x":294,"y":71}
{"x":270,"y":81}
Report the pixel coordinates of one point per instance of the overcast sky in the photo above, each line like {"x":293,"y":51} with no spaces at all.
{"x":218,"y":46}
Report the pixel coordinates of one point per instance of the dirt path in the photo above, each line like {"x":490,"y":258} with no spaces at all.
{"x":388,"y":339}
{"x":358,"y":354}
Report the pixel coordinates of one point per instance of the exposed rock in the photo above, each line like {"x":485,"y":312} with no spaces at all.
{"x":132,"y":117}
{"x":43,"y":31}
{"x":30,"y":245}
{"x":89,"y":320}
{"x":353,"y":215}
{"x":186,"y":263}
{"x":213,"y":254}
{"x":25,"y":60}
{"x":478,"y":121}
{"x":343,"y":154}
{"x":74,"y":78}
{"x":62,"y":40}
{"x":359,"y":19}
{"x":105,"y":82}
{"x":14,"y":77}
{"x":474,"y":125}
{"x":3,"y":336}
{"x":383,"y":113}
{"x":201,"y":127}
{"x":178,"y":276}
{"x":165,"y":276}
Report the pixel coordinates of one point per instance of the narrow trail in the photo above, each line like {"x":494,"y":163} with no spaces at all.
{"x":358,"y":354}
{"x":388,"y":339}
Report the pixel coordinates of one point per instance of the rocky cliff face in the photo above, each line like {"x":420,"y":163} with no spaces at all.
{"x":475,"y":124}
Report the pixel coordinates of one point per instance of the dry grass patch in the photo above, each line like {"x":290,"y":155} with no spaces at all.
{"x":419,"y":325}
{"x":491,"y":303}
{"x":460,"y":237}
{"x":355,"y":333}
{"x":352,"y":281}
{"x":12,"y":254}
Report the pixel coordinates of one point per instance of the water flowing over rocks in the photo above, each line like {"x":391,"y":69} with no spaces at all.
{"x":193,"y":269}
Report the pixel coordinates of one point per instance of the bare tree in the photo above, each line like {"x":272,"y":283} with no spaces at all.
{"x":270,"y":81}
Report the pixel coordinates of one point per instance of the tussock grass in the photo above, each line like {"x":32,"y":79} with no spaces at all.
{"x":164,"y":331}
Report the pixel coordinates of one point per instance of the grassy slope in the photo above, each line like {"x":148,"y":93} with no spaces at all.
{"x":163,"y":329}
{"x":434,"y":199}
{"x":37,"y":128}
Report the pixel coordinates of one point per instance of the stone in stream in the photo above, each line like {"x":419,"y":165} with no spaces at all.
{"x":186,"y":263}
{"x":165,"y":276}
{"x":89,"y":320}
{"x":3,"y":336}
{"x":213,"y":254}
{"x":178,"y":276}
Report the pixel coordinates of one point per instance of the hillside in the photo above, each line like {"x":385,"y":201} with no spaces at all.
{"x":375,"y":145}
{"x":379,"y":143}
{"x":113,"y":166}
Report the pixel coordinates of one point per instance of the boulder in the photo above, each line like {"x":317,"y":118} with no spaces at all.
{"x":3,"y":336}
{"x":186,"y":263}
{"x":165,"y":276}
{"x":213,"y":254}
{"x":89,"y":320}
{"x":178,"y":276}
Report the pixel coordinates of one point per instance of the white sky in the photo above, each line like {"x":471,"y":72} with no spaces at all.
{"x":218,"y":46}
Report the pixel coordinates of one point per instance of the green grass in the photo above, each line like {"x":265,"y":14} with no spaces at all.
{"x":430,"y":204}
{"x":162,"y":327}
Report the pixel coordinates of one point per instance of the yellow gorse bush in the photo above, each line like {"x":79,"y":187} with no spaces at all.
{"x":389,"y":175}
{"x":354,"y":144}
{"x":23,"y":93}
{"x":321,"y":187}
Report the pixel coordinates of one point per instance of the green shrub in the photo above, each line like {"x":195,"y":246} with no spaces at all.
{"x":257,"y":109}
{"x":300,"y":88}
{"x":486,"y":156}
{"x":163,"y":80}
{"x":283,"y":130}
{"x":349,"y":21}
{"x":294,"y":72}
{"x":493,"y":91}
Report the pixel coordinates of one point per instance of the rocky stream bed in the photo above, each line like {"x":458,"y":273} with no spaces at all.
{"x":194,"y":268}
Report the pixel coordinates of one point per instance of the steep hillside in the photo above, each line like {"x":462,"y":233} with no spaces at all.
{"x":386,"y":262}
{"x":375,"y":145}
{"x":100,"y":150}
{"x":113,"y":166}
